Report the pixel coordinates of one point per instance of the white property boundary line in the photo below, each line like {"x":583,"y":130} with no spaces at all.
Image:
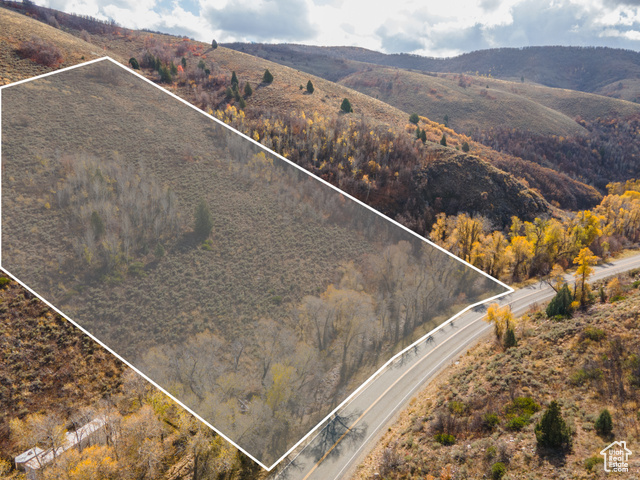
{"x":211,"y":117}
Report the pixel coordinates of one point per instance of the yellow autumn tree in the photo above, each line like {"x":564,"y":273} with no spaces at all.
{"x":521,"y":252}
{"x":585,"y":261}
{"x":466,"y":233}
{"x":97,"y":462}
{"x":535,"y":233}
{"x":555,"y":240}
{"x":440,"y":232}
{"x":280,"y":390}
{"x":492,"y":251}
{"x":586,"y":228}
{"x":501,"y":318}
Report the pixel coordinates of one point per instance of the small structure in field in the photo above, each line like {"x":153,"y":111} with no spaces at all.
{"x":35,"y":459}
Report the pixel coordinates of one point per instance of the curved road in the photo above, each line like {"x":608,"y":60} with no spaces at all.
{"x":340,"y":446}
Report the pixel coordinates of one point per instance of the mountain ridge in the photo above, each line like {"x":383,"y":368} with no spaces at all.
{"x":587,"y":69}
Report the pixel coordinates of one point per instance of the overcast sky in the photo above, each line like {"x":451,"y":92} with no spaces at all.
{"x":440,"y":28}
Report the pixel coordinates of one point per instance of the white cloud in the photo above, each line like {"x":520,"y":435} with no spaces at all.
{"x":260,"y":20}
{"x":429,"y":28}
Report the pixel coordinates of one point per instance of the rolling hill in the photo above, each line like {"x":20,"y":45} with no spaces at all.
{"x":470,"y":97}
{"x":17,"y":29}
{"x":607,"y":71}
{"x":464,"y":103}
{"x":470,"y":102}
{"x":286,"y":95}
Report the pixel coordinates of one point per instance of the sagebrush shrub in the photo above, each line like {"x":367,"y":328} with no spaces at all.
{"x":498,"y":470}
{"x":445,"y":439}
{"x":40,"y":51}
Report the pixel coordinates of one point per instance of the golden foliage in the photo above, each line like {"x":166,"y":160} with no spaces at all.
{"x":545,"y":246}
{"x":502,"y":319}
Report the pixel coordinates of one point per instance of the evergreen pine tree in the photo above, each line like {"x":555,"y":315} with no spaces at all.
{"x":234,"y":80}
{"x":465,"y":147}
{"x":97,"y":225}
{"x":148,"y":60}
{"x":241,"y":103}
{"x":510,"y":338}
{"x":423,"y":136}
{"x":247,"y":89}
{"x":310,"y":88}
{"x":414,"y":118}
{"x":267,"y":77}
{"x":346,"y":106}
{"x":552,"y":431}
{"x":443,"y":140}
{"x":561,"y":303}
{"x":134,"y":63}
{"x":158,"y":251}
{"x":184,"y":63}
{"x":604,"y":423}
{"x":214,"y":44}
{"x":203,"y":223}
{"x":165,"y":74}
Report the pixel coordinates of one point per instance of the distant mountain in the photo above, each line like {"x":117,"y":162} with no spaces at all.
{"x":470,"y":102}
{"x":603,"y":70}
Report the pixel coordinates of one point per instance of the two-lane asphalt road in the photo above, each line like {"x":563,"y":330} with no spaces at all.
{"x":341,"y":445}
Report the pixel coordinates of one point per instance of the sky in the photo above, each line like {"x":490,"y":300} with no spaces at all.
{"x":440,"y":29}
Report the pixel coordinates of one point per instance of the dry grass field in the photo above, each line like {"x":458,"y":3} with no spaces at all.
{"x":281,"y":310}
{"x":604,"y":71}
{"x":473,"y":102}
{"x":16,"y":28}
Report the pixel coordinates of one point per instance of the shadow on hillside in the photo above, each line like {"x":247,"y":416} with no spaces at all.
{"x":188,"y":241}
{"x":553,"y":457}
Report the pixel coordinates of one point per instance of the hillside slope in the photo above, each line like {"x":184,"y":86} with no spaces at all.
{"x":492,"y":398}
{"x":471,"y":102}
{"x":465,"y":103}
{"x":59,"y":379}
{"x":452,"y":180}
{"x":589,"y":69}
{"x":56,"y":369}
{"x":17,"y":29}
{"x":283,"y":96}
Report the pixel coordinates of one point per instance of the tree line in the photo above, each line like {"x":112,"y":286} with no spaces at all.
{"x":268,"y":387}
{"x":535,"y":249}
